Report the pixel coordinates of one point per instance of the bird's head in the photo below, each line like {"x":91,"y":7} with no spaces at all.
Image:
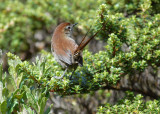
{"x":65,"y":29}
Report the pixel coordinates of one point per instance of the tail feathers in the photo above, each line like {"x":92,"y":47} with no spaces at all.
{"x":82,"y":45}
{"x":83,"y":39}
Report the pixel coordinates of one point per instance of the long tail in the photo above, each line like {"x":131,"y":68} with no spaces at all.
{"x":82,"y":45}
{"x":83,"y":39}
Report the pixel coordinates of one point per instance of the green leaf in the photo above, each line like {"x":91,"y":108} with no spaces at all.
{"x":3,"y":107}
{"x":19,"y":96}
{"x":43,"y":66}
{"x":42,"y":105}
{"x":16,"y":91}
{"x":13,"y":82}
{"x":5,"y":92}
{"x":13,"y":105}
{"x":4,"y":80}
{"x":1,"y":89}
{"x":19,"y":80}
{"x":27,"y":110}
{"x":48,"y":109}
{"x":31,"y":100}
{"x":1,"y":71}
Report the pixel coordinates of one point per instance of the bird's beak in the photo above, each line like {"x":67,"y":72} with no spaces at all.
{"x":74,"y":24}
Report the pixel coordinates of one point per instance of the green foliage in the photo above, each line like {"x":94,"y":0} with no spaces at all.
{"x":141,"y":35}
{"x":135,"y":105}
{"x":85,"y":79}
{"x":17,"y":95}
{"x":133,"y":24}
{"x":132,"y":7}
{"x":17,"y":27}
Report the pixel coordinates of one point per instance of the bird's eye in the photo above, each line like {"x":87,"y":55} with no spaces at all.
{"x":68,"y":27}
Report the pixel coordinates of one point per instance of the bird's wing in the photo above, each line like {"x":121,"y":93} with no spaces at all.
{"x":65,"y":51}
{"x":65,"y":56}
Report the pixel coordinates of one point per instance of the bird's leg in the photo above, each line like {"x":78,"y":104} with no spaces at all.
{"x":62,"y":74}
{"x":70,"y":77}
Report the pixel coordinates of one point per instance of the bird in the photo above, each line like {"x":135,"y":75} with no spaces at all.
{"x":64,"y":48}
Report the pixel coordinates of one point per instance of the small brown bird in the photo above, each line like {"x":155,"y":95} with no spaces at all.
{"x":65,"y":50}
